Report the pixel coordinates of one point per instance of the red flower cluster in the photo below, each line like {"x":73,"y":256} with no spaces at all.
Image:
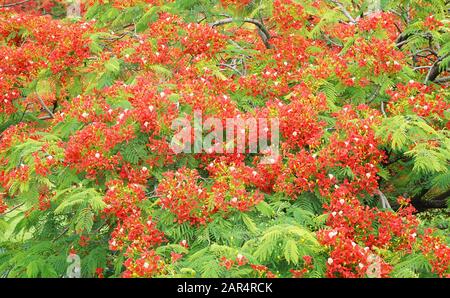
{"x":182,"y":194}
{"x":327,"y":146}
{"x":289,"y":15}
{"x":191,"y":201}
{"x":229,"y":263}
{"x":48,"y":44}
{"x":87,"y":150}
{"x":431,"y":23}
{"x":235,"y":3}
{"x":437,"y":253}
{"x":353,"y":225}
{"x":418,"y":98}
{"x":3,"y":206}
{"x":202,"y":40}
{"x":262,"y":271}
{"x":307,"y":266}
{"x":121,"y":200}
{"x":371,"y":57}
{"x":231,"y":187}
{"x":132,"y":235}
{"x":147,"y":265}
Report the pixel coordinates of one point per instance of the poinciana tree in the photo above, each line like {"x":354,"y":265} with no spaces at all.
{"x":361,"y":185}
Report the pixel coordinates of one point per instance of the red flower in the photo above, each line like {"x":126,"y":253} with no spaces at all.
{"x":99,"y":272}
{"x":175,"y":256}
{"x":227,"y":263}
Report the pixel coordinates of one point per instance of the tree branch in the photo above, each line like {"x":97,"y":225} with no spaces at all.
{"x":12,"y":209}
{"x":431,"y":51}
{"x":432,"y":73}
{"x":442,"y":196}
{"x":49,"y":112}
{"x":232,"y":68}
{"x":382,"y":109}
{"x":14,"y":4}
{"x":384,"y":201}
{"x":421,"y":204}
{"x":442,"y":80}
{"x":435,"y":70}
{"x":62,"y":234}
{"x":264,"y":33}
{"x":344,"y":11}
{"x":402,"y":39}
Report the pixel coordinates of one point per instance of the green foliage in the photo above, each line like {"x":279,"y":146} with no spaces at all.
{"x":51,"y":213}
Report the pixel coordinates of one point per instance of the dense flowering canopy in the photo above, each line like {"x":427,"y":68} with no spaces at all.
{"x":87,"y":167}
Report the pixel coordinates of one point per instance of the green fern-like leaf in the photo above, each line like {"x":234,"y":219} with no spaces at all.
{"x":291,"y":252}
{"x":84,"y":220}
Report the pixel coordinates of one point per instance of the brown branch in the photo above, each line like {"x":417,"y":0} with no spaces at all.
{"x":62,"y":234}
{"x":232,"y":68}
{"x":344,"y":11}
{"x":442,"y":80}
{"x":431,"y":51}
{"x":421,"y":204}
{"x":428,"y":204}
{"x":384,"y":201}
{"x":118,"y":37}
{"x":382,"y":109}
{"x":432,"y":73}
{"x":44,"y":106}
{"x":46,"y":117}
{"x":442,"y":196}
{"x":14,"y":4}
{"x":375,"y":93}
{"x":402,"y":39}
{"x":435,"y":70}
{"x":14,"y":208}
{"x":264,"y":33}
{"x":422,"y":67}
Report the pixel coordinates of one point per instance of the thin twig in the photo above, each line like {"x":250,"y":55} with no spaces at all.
{"x":344,"y":11}
{"x":231,"y":67}
{"x":24,"y":112}
{"x":332,"y":41}
{"x":62,"y":234}
{"x":44,"y":106}
{"x":11,"y":210}
{"x":442,"y":80}
{"x":384,"y":201}
{"x":382,"y":109}
{"x":434,"y":70}
{"x":265,"y":35}
{"x":431,"y":51}
{"x":375,"y":93}
{"x":422,"y":67}
{"x":14,"y":4}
